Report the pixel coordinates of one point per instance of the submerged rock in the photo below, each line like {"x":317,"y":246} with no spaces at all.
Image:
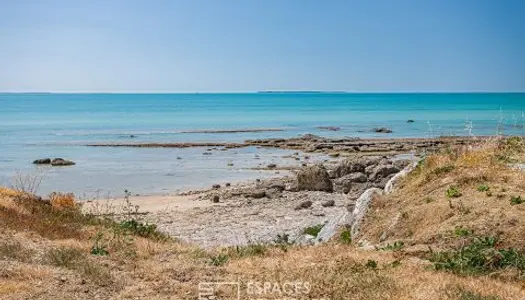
{"x":329,"y":128}
{"x":314,"y":178}
{"x":42,"y":161}
{"x":62,"y":162}
{"x":382,"y":130}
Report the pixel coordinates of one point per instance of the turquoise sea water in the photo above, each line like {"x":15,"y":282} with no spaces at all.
{"x":59,"y":125}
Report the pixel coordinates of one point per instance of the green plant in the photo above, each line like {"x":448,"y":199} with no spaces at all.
{"x":515,"y":200}
{"x":396,"y":246}
{"x":429,"y":199}
{"x":371,"y":264}
{"x":483,"y":188}
{"x":395,"y":264}
{"x":142,"y":229}
{"x":283,"y":241}
{"x":480,"y":257}
{"x":453,"y":192}
{"x":249,"y":250}
{"x":313,"y":230}
{"x":444,"y":170}
{"x":462,"y":231}
{"x":345,"y":237}
{"x":218,"y":259}
{"x":98,"y":246}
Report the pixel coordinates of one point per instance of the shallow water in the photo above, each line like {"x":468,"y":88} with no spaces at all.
{"x":58,"y":125}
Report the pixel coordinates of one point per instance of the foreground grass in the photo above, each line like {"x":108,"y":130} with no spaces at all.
{"x":436,"y":250}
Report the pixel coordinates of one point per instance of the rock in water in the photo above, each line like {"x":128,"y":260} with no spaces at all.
{"x":61,"y":162}
{"x":382,"y":130}
{"x":42,"y":161}
{"x":410,"y":121}
{"x":314,"y":178}
{"x":329,"y":128}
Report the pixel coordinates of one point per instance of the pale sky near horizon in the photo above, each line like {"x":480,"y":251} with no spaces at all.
{"x":228,"y":45}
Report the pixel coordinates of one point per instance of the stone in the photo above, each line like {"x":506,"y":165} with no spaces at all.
{"x":228,"y":184}
{"x":347,"y":182}
{"x":216,"y":186}
{"x":42,"y":161}
{"x":348,"y":166}
{"x":61,"y":162}
{"x":272,"y":166}
{"x":328,"y":203}
{"x":382,"y":171}
{"x":361,"y":206}
{"x":215,"y":199}
{"x":304,"y":205}
{"x":314,"y":178}
{"x":382,"y":130}
{"x":257,"y":194}
{"x":329,"y":128}
{"x":410,"y":121}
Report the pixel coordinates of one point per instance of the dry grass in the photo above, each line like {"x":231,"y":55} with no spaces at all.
{"x":61,"y":263}
{"x":63,"y":201}
{"x":431,"y":217}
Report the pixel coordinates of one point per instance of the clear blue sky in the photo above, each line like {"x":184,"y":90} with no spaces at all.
{"x":250,"y":45}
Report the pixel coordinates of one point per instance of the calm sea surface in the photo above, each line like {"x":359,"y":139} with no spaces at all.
{"x":59,"y":125}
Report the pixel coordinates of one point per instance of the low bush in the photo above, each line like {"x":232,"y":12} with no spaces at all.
{"x":313,"y":230}
{"x":453,"y":192}
{"x":480,"y":257}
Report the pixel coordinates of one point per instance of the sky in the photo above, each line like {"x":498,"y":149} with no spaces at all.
{"x":253,"y":45}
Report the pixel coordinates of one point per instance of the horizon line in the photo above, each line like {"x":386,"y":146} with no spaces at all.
{"x":262,"y":92}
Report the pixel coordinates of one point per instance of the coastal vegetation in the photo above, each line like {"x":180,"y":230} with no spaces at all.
{"x":439,"y":235}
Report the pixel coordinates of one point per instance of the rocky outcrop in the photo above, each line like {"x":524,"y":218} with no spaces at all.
{"x":314,"y":178}
{"x":361,"y":206}
{"x":346,"y":183}
{"x":42,"y":161}
{"x":389,"y":187}
{"x":62,"y":162}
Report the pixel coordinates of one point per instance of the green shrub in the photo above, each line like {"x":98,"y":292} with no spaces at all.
{"x":345,"y":237}
{"x":98,"y":246}
{"x":516,"y":200}
{"x":313,"y":230}
{"x":371,"y":264}
{"x":248,"y":250}
{"x":443,"y":170}
{"x":396,"y":246}
{"x":142,"y":229}
{"x":462,"y":231}
{"x":480,"y":257}
{"x":218,"y":259}
{"x":483,"y":188}
{"x":453,"y":192}
{"x":283,"y":241}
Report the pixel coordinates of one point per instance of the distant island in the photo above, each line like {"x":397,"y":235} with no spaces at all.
{"x":302,"y":92}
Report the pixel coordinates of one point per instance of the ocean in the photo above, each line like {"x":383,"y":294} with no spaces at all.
{"x":61,"y":125}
